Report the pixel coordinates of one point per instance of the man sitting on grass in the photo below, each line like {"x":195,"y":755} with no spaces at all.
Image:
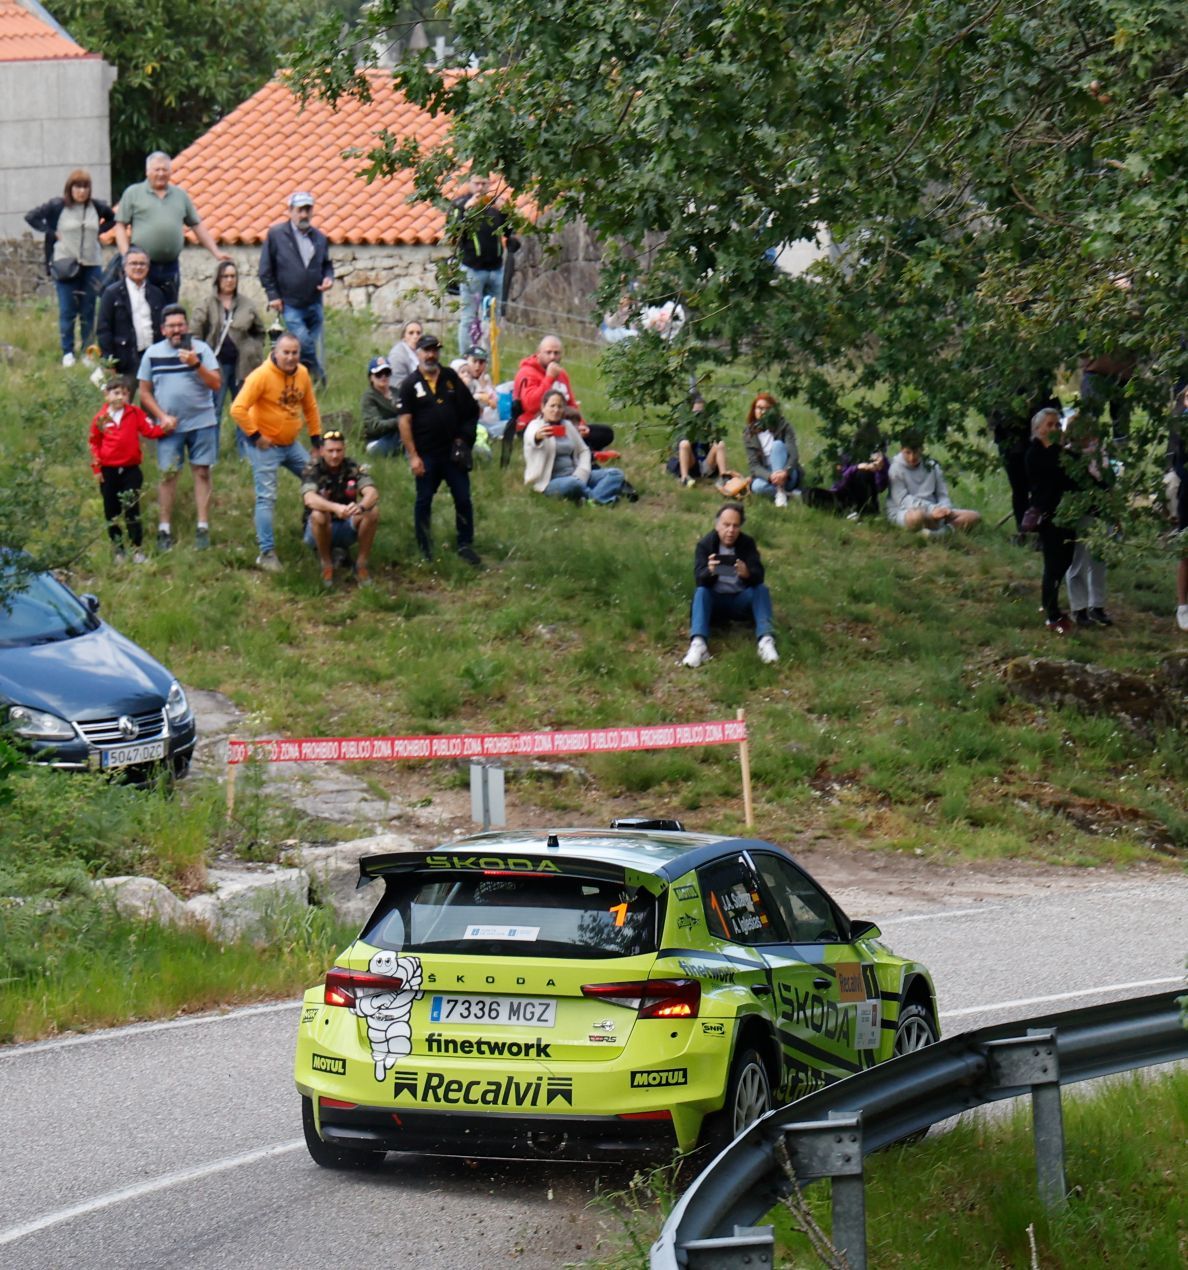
{"x":340,"y":508}
{"x":918,"y":498}
{"x":729,"y":584}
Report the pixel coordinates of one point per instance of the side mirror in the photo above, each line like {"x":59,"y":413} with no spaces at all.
{"x":862,"y":929}
{"x":90,"y":603}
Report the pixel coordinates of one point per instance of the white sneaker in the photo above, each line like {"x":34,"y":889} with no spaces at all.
{"x":767,"y":650}
{"x":698,"y":653}
{"x":1182,"y":617}
{"x":68,"y":359}
{"x":140,"y":558}
{"x":267,"y":560}
{"x":781,"y":497}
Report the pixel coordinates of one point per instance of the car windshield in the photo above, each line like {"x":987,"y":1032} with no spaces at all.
{"x":41,"y":612}
{"x":521,"y":915}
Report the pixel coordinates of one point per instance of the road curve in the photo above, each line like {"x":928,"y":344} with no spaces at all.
{"x":178,"y":1144}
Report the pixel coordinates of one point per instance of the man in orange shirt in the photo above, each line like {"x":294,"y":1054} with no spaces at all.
{"x":269,"y":409}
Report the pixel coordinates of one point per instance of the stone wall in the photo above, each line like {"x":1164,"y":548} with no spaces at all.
{"x":22,"y":268}
{"x":393,"y":284}
{"x":53,"y":118}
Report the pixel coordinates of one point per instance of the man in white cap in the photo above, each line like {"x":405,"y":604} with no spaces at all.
{"x":295,"y":272}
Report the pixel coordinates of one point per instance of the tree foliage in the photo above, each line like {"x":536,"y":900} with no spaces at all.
{"x":990,"y":170}
{"x":182,"y":65}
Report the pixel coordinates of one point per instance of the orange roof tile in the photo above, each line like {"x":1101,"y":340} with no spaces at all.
{"x":24,"y":37}
{"x":240,"y":174}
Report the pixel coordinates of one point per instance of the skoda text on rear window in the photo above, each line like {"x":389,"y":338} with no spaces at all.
{"x":516,"y":914}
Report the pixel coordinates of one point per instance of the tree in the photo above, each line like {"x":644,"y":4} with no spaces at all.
{"x":995,"y":173}
{"x":182,"y":65}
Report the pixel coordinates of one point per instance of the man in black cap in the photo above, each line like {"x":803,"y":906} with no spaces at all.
{"x":438,"y":418}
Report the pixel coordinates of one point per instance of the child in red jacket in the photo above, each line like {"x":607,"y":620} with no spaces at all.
{"x":115,"y":449}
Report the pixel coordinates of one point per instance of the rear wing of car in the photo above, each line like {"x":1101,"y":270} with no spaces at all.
{"x":510,"y":863}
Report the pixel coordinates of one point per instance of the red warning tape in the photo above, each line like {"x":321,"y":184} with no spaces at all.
{"x":664,"y":736}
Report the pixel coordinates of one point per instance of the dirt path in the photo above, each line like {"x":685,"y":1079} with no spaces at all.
{"x":414,"y":801}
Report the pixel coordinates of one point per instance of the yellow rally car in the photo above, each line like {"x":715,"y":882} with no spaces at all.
{"x":591,"y":994}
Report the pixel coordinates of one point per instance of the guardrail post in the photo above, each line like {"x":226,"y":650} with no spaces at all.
{"x":748,"y":1246}
{"x":833,"y":1148}
{"x":1034,"y":1060}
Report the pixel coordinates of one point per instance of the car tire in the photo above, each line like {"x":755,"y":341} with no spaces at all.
{"x":914,"y":1031}
{"x":334,"y":1157}
{"x":748,"y":1096}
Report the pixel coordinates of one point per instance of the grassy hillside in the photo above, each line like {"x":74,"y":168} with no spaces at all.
{"x":885,"y":723}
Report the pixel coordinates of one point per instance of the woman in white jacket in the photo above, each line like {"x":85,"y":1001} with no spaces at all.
{"x":557,"y":460}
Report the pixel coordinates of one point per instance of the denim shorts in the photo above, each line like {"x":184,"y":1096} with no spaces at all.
{"x":342,"y":534}
{"x":202,"y":444}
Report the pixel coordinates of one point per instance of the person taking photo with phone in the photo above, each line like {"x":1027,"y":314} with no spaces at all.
{"x":179,"y":377}
{"x":557,"y":461}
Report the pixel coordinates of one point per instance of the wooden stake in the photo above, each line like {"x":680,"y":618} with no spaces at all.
{"x":744,"y":760}
{"x":232,"y":768}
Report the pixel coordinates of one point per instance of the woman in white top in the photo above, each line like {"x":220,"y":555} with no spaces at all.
{"x":403,"y":357}
{"x":557,"y":461}
{"x":73,"y":258}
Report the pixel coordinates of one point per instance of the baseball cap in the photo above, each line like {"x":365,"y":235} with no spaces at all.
{"x":301,"y":199}
{"x":428,"y":341}
{"x":377,"y":364}
{"x":477,"y":350}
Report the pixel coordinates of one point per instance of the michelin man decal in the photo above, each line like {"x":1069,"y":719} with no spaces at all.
{"x":387,"y":1013}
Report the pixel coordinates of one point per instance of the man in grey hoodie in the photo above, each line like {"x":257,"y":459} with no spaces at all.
{"x":917,"y":496}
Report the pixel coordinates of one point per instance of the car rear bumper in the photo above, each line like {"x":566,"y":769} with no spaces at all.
{"x":460,"y":1133}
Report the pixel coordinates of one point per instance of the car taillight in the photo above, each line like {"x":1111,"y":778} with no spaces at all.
{"x":653,"y":998}
{"x":343,"y":986}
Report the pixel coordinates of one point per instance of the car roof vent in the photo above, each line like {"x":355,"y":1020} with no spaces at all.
{"x":553,"y":843}
{"x":647,"y":822}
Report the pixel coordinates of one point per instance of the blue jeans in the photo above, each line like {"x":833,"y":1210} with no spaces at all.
{"x":76,"y":299}
{"x":306,"y":323}
{"x":779,"y":463}
{"x":438,"y":468}
{"x":475,"y":286}
{"x":603,"y":486}
{"x":389,"y":446}
{"x":711,"y":606}
{"x":166,"y":278}
{"x":265,"y":466}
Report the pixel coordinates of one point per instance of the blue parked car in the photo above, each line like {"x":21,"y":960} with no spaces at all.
{"x":78,"y":695}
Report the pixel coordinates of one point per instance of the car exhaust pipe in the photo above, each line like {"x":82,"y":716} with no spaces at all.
{"x":548,"y":1144}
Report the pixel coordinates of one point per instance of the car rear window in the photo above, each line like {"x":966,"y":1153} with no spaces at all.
{"x":513,"y":916}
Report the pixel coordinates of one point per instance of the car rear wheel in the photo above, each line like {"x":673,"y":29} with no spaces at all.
{"x":334,"y":1157}
{"x":748,"y":1096}
{"x":914,"y":1031}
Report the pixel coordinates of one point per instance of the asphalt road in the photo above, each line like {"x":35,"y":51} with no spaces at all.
{"x":178,"y":1144}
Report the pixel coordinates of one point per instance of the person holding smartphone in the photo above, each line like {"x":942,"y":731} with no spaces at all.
{"x":557,"y":461}
{"x":179,"y":377}
{"x":728,"y":574}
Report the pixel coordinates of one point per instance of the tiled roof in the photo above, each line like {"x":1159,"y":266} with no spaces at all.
{"x":24,"y":37}
{"x":240,"y":174}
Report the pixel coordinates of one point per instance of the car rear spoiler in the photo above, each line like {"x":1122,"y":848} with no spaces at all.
{"x":468,"y":859}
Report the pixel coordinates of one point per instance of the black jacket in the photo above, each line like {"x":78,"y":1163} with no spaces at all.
{"x":481,"y":241}
{"x":45,"y":218}
{"x":1047,"y":477}
{"x":744,"y":549}
{"x":115,"y":332}
{"x":282,"y":273}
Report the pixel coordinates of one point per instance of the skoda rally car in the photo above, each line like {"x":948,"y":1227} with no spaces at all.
{"x":592,"y":994}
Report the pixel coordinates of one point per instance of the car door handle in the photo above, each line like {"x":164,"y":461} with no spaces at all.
{"x":821,"y":983}
{"x":761,"y":989}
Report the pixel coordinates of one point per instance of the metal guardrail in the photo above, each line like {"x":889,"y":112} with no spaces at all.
{"x":828,"y":1133}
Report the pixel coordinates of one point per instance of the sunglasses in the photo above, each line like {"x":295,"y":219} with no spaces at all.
{"x":333,"y":436}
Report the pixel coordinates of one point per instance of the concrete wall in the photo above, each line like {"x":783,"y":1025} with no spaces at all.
{"x":53,"y":118}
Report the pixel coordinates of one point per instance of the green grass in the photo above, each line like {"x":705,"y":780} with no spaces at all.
{"x":885,"y":725}
{"x":967,"y":1197}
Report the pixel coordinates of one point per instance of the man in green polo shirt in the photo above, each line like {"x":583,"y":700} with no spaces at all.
{"x":153,"y":215}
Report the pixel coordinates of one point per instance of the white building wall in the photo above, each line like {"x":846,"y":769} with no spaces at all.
{"x":53,"y":118}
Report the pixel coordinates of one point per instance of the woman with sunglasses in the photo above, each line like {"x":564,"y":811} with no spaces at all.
{"x":380,"y":411}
